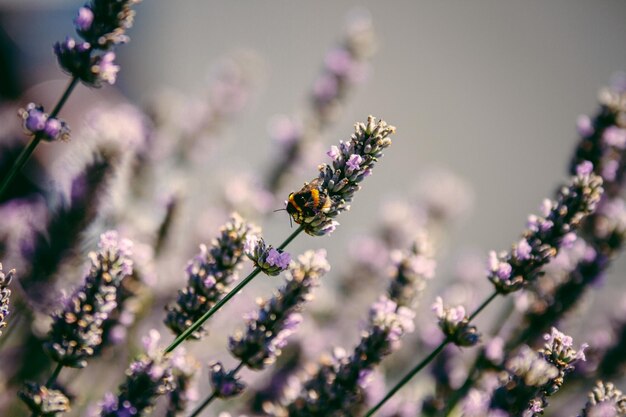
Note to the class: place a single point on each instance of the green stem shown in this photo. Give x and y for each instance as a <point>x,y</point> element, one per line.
<point>184,335</point>
<point>30,148</point>
<point>408,377</point>
<point>213,396</point>
<point>426,360</point>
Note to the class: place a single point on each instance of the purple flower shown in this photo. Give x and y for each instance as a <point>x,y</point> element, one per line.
<point>523,250</point>
<point>584,126</point>
<point>270,260</point>
<point>354,162</point>
<point>84,19</point>
<point>36,120</point>
<point>615,136</point>
<point>279,259</point>
<point>585,168</point>
<point>334,153</point>
<point>105,69</point>
<point>454,324</point>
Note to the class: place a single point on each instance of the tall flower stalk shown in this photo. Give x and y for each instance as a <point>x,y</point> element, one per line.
<point>514,270</point>
<point>77,329</point>
<point>603,142</point>
<point>102,24</point>
<point>316,206</point>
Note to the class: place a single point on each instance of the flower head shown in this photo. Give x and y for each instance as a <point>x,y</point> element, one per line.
<point>321,200</point>
<point>455,324</point>
<point>77,329</point>
<point>225,384</point>
<point>5,294</point>
<point>44,401</point>
<point>547,233</point>
<point>147,378</point>
<point>37,122</point>
<point>270,260</point>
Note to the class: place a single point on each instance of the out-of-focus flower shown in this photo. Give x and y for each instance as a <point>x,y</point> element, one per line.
<point>5,296</point>
<point>43,401</point>
<point>77,328</point>
<point>147,378</point>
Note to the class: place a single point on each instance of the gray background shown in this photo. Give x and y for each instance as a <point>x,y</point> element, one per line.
<point>488,89</point>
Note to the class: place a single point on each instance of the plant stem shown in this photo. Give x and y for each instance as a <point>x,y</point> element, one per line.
<point>184,335</point>
<point>30,148</point>
<point>408,377</point>
<point>426,360</point>
<point>211,397</point>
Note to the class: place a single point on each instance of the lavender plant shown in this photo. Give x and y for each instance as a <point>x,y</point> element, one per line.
<point>160,197</point>
<point>102,24</point>
<point>147,378</point>
<point>269,327</point>
<point>77,329</point>
<point>512,271</point>
<point>319,202</point>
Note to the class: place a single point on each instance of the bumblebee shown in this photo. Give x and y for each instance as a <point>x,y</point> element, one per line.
<point>308,202</point>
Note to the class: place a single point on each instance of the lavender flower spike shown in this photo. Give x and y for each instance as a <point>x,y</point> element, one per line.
<point>147,378</point>
<point>268,328</point>
<point>455,324</point>
<point>77,329</point>
<point>605,400</point>
<point>535,376</point>
<point>5,295</point>
<point>317,204</point>
<point>546,233</point>
<point>335,388</point>
<point>210,274</point>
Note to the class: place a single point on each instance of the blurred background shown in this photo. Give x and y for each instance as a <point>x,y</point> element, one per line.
<point>488,91</point>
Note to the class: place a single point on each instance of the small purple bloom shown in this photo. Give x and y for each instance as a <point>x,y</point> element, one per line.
<point>106,68</point>
<point>84,19</point>
<point>504,270</point>
<point>36,120</point>
<point>276,258</point>
<point>568,240</point>
<point>339,62</point>
<point>584,168</point>
<point>523,250</point>
<point>584,126</point>
<point>334,153</point>
<point>354,162</point>
<point>615,136</point>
